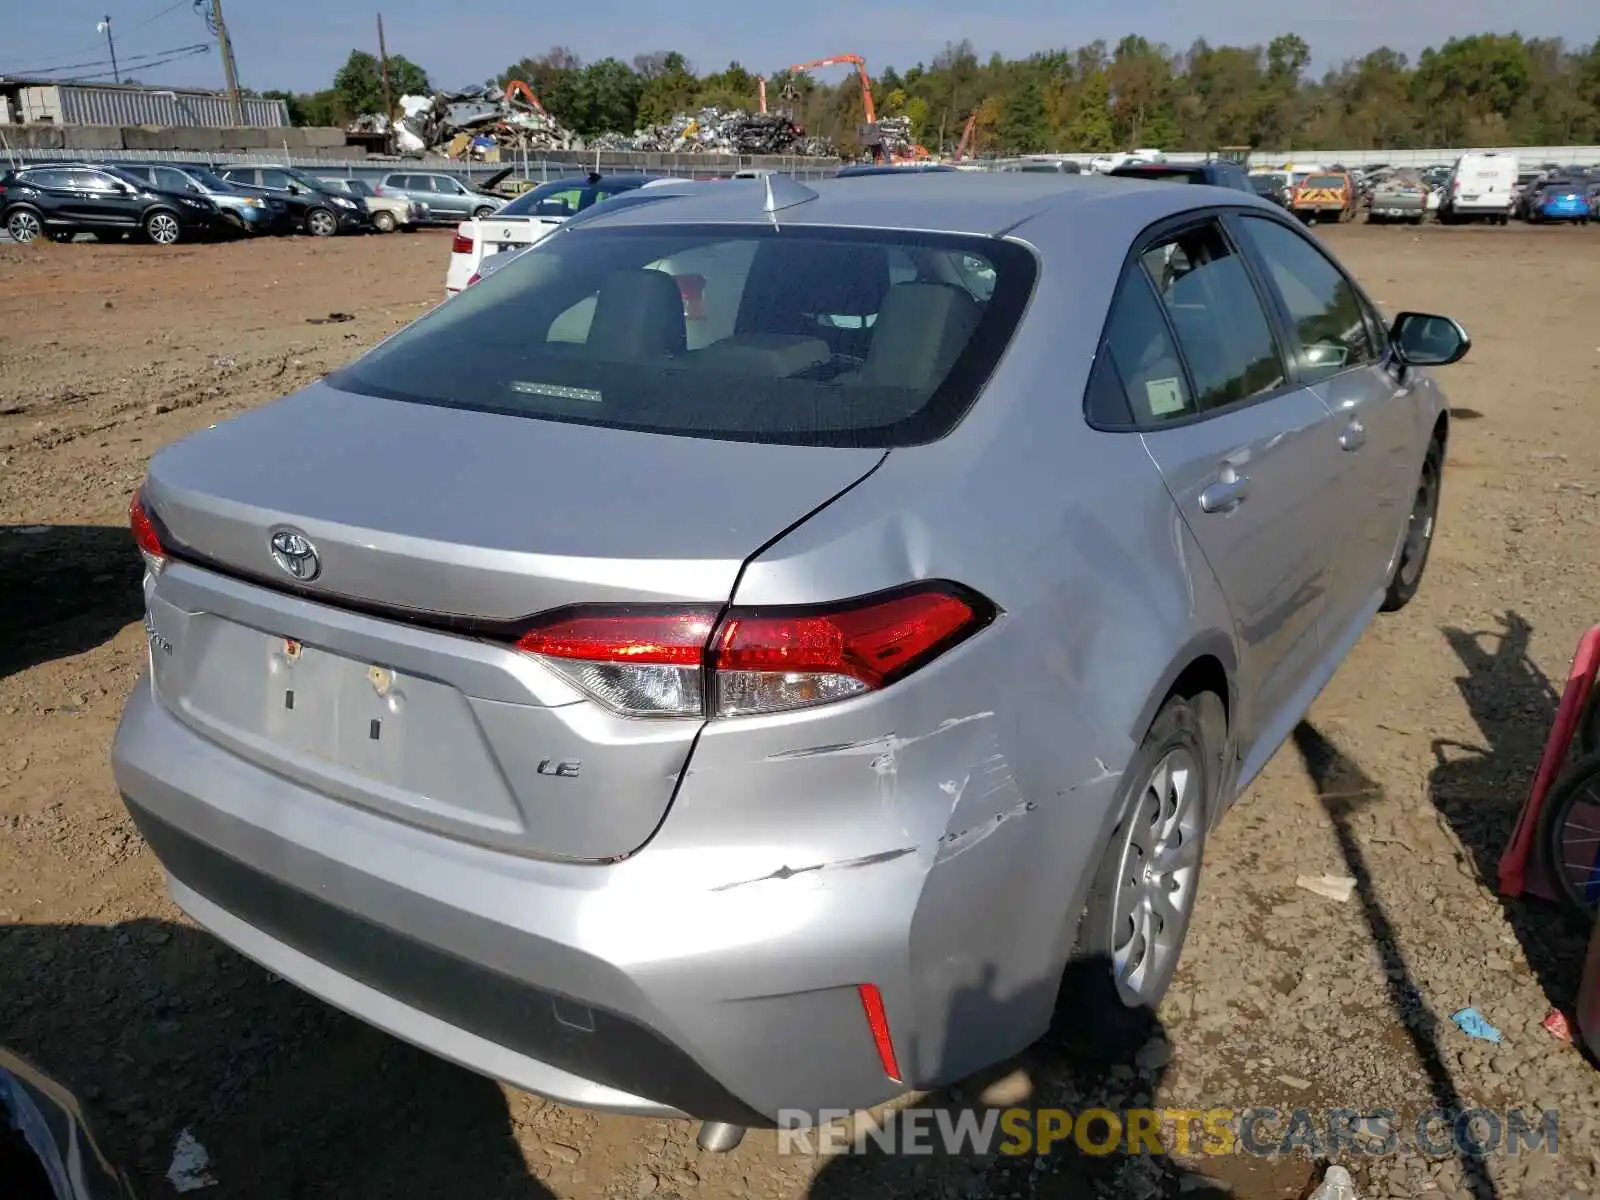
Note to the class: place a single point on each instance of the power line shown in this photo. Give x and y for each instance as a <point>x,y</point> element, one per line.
<point>133,60</point>
<point>160,62</point>
<point>82,49</point>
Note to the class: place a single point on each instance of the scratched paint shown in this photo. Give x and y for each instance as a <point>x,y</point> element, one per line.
<point>952,844</point>
<point>845,864</point>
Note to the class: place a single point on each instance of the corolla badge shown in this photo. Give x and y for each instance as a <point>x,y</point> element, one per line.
<point>293,551</point>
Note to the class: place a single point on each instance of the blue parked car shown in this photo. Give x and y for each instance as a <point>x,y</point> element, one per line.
<point>1560,200</point>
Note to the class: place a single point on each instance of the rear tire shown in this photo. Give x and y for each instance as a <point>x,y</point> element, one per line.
<point>1420,527</point>
<point>480,213</point>
<point>383,221</point>
<point>1142,898</point>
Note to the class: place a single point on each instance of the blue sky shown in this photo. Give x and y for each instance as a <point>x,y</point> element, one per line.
<point>300,43</point>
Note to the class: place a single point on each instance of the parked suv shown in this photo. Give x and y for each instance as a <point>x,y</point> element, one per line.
<point>62,199</point>
<point>310,205</point>
<point>245,212</point>
<point>1213,174</point>
<point>446,197</point>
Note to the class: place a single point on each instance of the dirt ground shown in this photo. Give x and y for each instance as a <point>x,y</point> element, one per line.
<point>1406,776</point>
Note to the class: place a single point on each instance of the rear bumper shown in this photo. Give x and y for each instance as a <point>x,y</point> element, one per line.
<point>638,986</point>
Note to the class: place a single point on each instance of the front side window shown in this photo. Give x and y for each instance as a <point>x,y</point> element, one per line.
<point>799,335</point>
<point>1222,329</point>
<point>1323,304</point>
<point>277,180</point>
<point>94,181</point>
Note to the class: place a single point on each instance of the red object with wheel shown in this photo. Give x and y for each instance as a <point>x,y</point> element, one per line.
<point>1521,868</point>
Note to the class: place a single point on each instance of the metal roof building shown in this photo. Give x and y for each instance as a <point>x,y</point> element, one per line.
<point>34,101</point>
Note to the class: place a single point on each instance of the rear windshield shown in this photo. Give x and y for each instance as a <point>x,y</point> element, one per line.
<point>1324,181</point>
<point>803,336</point>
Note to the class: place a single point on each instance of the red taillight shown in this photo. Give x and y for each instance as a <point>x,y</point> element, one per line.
<point>462,244</point>
<point>640,663</point>
<point>474,279</point>
<point>645,663</point>
<point>145,536</point>
<point>878,1023</point>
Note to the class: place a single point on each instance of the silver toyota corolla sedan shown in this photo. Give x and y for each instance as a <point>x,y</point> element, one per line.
<point>732,659</point>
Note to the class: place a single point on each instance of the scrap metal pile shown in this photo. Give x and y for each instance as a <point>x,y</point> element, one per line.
<point>474,123</point>
<point>479,122</point>
<point>719,131</point>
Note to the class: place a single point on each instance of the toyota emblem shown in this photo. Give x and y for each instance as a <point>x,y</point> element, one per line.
<point>293,551</point>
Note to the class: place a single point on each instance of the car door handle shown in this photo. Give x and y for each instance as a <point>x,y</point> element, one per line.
<point>1354,436</point>
<point>1225,495</point>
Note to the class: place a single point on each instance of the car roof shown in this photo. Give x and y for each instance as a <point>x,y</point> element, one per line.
<point>954,202</point>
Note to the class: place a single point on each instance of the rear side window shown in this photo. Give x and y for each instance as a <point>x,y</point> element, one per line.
<point>1221,325</point>
<point>797,335</point>
<point>1142,350</point>
<point>1323,305</point>
<point>172,181</point>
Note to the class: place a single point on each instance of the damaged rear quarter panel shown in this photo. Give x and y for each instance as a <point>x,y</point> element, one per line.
<point>944,831</point>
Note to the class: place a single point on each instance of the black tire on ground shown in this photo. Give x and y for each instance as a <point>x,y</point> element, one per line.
<point>1580,785</point>
<point>163,228</point>
<point>321,223</point>
<point>481,212</point>
<point>1092,1002</point>
<point>383,221</point>
<point>1413,558</point>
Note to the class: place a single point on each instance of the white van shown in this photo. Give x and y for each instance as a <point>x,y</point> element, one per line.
<point>1482,186</point>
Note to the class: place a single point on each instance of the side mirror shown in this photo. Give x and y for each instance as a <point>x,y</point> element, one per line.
<point>1426,340</point>
<point>295,189</point>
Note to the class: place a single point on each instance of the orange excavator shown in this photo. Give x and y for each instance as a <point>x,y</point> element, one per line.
<point>964,146</point>
<point>870,130</point>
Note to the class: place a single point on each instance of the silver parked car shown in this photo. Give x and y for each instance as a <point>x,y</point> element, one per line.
<point>734,657</point>
<point>442,198</point>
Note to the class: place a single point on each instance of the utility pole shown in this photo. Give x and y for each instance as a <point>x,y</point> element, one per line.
<point>383,60</point>
<point>229,69</point>
<point>105,27</point>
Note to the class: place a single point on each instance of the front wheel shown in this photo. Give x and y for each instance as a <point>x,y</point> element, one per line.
<point>383,221</point>
<point>1143,894</point>
<point>163,229</point>
<point>321,223</point>
<point>1569,835</point>
<point>1413,559</point>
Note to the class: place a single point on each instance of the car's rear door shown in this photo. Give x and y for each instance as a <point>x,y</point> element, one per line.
<point>1339,348</point>
<point>1246,452</point>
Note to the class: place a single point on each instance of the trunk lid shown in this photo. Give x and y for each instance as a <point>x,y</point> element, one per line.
<point>387,679</point>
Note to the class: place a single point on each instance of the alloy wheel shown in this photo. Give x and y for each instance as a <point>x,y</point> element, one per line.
<point>24,227</point>
<point>322,224</point>
<point>163,229</point>
<point>1419,531</point>
<point>1157,878</point>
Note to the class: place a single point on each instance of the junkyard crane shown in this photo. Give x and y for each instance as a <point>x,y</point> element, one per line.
<point>856,60</point>
<point>964,146</point>
<point>870,134</point>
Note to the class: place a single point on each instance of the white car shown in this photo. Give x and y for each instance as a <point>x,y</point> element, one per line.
<point>530,218</point>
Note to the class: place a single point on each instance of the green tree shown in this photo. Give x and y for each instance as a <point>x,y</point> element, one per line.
<point>606,98</point>
<point>670,88</point>
<point>358,85</point>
